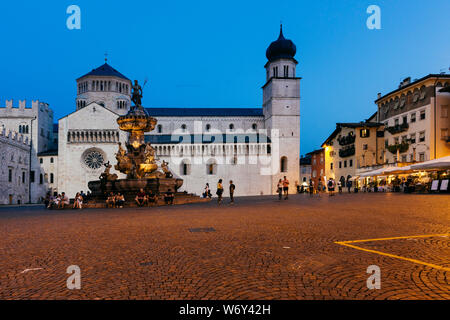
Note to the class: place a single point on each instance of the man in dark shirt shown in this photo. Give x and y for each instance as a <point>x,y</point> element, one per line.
<point>152,198</point>
<point>232,187</point>
<point>168,197</point>
<point>141,198</point>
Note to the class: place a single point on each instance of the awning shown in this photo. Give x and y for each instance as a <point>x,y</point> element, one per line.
<point>435,164</point>
<point>398,170</point>
<point>372,173</point>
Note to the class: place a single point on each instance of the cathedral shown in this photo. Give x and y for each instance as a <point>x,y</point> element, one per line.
<point>253,147</point>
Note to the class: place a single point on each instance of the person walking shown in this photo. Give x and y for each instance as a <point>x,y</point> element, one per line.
<point>219,191</point>
<point>349,186</point>
<point>280,189</point>
<point>339,184</point>
<point>311,187</point>
<point>330,187</point>
<point>286,188</point>
<point>319,186</point>
<point>232,188</point>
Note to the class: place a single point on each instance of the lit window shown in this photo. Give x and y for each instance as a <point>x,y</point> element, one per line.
<point>364,133</point>
<point>211,168</point>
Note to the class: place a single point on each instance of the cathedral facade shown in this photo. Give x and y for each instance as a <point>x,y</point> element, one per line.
<point>253,147</point>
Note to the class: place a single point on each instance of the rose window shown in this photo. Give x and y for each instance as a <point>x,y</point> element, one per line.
<point>94,159</point>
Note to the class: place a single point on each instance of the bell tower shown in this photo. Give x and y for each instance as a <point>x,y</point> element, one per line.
<point>281,107</point>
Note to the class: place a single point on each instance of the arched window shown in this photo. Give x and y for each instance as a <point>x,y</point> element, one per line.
<point>211,167</point>
<point>26,129</point>
<point>231,126</point>
<point>185,168</point>
<point>52,178</point>
<point>283,164</point>
<point>41,179</point>
<point>159,128</point>
<point>183,127</point>
<point>254,126</point>
<point>208,127</point>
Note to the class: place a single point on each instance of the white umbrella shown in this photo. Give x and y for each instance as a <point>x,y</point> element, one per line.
<point>439,163</point>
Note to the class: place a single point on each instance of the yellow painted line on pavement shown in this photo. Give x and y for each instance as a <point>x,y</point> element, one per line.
<point>346,243</point>
<point>394,238</point>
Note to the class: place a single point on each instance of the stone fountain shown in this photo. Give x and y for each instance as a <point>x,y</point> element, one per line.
<point>136,160</point>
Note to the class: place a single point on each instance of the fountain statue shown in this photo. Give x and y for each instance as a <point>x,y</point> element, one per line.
<point>137,159</point>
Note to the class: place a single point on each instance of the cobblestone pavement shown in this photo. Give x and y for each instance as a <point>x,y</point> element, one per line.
<point>261,249</point>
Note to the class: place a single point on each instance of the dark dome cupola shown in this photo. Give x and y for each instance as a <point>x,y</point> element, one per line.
<point>281,48</point>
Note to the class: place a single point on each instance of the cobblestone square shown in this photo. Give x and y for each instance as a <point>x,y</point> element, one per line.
<point>258,248</point>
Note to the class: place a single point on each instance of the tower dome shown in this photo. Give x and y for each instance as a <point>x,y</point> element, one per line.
<point>281,48</point>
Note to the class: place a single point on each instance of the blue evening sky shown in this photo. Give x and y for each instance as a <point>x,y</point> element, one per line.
<point>212,53</point>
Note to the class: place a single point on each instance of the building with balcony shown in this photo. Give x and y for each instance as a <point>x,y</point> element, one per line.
<point>416,119</point>
<point>352,147</point>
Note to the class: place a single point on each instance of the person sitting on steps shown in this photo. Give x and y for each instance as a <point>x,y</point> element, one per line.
<point>168,197</point>
<point>141,198</point>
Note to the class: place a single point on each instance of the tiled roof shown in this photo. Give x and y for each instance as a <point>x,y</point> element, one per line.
<point>206,138</point>
<point>105,70</point>
<point>205,112</point>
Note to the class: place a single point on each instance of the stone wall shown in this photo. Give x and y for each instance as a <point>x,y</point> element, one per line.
<point>14,167</point>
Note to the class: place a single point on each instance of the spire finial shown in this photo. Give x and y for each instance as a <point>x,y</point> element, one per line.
<point>281,30</point>
<point>106,57</point>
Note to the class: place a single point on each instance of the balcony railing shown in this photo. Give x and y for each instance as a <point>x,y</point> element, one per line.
<point>401,147</point>
<point>346,140</point>
<point>347,152</point>
<point>397,128</point>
